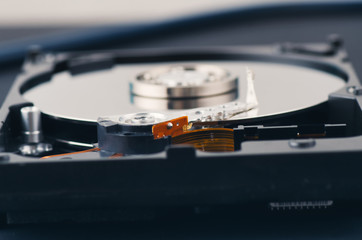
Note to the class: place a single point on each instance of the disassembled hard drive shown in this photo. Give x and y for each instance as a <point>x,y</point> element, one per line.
<point>89,123</point>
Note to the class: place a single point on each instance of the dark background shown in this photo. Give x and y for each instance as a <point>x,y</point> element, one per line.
<point>264,27</point>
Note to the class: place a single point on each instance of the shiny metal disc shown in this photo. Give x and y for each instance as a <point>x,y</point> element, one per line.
<point>279,88</point>
<point>184,81</point>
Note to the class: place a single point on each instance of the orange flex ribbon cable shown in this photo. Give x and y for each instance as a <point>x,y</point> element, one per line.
<point>207,139</point>
<point>67,154</point>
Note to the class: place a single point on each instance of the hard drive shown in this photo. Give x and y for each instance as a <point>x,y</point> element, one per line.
<point>119,133</point>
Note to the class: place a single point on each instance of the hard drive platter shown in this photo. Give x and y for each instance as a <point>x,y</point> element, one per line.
<point>279,88</point>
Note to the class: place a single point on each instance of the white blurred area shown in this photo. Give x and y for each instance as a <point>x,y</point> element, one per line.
<point>99,12</point>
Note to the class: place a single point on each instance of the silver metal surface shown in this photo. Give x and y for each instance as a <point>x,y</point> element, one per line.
<point>133,119</point>
<point>183,81</point>
<point>32,133</point>
<point>31,123</point>
<point>219,112</point>
<point>35,149</point>
<point>280,89</point>
<point>142,118</point>
<point>162,104</point>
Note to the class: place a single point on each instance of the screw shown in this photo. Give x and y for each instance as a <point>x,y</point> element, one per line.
<point>106,122</point>
<point>354,90</point>
<point>335,40</point>
<point>351,89</point>
<point>169,125</point>
<point>34,52</point>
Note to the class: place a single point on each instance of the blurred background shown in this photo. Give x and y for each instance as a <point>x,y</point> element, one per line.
<point>20,19</point>
<point>70,13</point>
